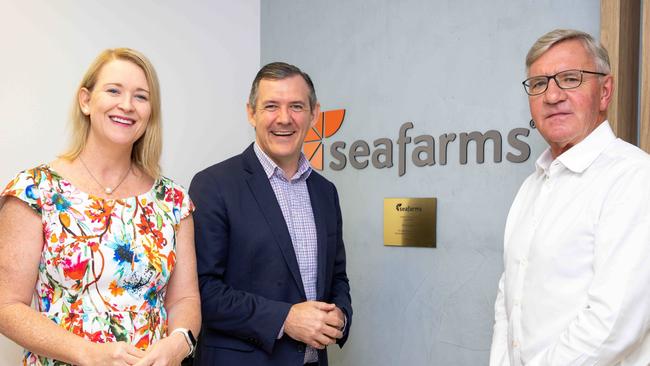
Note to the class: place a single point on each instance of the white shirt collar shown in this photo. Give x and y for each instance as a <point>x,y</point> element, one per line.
<point>579,157</point>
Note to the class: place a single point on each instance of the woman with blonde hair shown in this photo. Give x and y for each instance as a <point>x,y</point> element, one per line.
<point>98,238</point>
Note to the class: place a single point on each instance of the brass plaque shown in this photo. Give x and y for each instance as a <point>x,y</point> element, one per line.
<point>410,222</point>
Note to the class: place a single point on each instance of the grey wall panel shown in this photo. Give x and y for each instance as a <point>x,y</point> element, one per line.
<point>448,67</point>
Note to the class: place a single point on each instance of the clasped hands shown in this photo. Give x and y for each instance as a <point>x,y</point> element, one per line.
<point>169,351</point>
<point>317,324</point>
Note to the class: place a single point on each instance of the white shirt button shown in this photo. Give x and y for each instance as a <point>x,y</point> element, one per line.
<point>515,344</point>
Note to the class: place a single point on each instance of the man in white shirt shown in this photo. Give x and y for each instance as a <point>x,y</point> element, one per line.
<point>576,285</point>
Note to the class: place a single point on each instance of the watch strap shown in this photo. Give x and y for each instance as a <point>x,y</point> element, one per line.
<point>189,338</point>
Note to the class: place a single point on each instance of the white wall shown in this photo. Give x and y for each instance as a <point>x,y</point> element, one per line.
<point>206,54</point>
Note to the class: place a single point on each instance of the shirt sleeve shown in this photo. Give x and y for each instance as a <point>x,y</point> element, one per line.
<point>24,186</point>
<point>499,350</point>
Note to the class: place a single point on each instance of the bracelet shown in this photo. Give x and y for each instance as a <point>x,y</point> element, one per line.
<point>189,338</point>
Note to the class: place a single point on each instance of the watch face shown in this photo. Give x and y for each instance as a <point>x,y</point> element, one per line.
<point>189,333</point>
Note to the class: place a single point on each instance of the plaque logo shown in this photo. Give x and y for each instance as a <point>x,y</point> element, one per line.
<point>399,207</point>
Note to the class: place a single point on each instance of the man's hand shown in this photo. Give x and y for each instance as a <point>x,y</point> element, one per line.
<point>317,324</point>
<point>340,317</point>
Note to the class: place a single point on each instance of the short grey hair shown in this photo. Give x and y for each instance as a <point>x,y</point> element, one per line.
<point>280,71</point>
<point>595,48</point>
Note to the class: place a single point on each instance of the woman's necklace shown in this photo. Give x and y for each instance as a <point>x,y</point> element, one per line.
<point>107,190</point>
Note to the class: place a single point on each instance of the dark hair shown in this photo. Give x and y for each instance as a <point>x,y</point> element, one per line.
<point>279,71</point>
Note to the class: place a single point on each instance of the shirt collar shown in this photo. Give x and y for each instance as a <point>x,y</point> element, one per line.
<point>579,157</point>
<point>271,168</point>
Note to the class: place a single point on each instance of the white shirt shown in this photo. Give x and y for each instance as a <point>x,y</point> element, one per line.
<point>576,285</point>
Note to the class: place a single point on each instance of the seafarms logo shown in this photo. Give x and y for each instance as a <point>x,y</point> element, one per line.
<point>327,125</point>
<point>360,154</point>
<point>401,208</point>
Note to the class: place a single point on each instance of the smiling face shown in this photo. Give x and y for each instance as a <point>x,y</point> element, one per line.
<point>118,105</point>
<point>564,117</point>
<point>282,118</point>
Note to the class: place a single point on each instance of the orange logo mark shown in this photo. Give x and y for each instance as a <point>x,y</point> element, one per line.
<point>327,125</point>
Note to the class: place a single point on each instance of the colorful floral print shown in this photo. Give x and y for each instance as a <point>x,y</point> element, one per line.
<point>105,263</point>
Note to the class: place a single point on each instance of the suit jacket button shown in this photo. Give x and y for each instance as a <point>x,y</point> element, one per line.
<point>301,348</point>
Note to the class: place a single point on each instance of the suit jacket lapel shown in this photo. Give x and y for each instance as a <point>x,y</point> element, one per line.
<point>318,208</point>
<point>261,189</point>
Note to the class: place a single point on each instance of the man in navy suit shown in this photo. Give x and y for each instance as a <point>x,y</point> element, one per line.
<point>269,242</point>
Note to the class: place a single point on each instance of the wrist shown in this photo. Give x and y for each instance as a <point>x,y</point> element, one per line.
<point>85,356</point>
<point>186,340</point>
<point>179,344</point>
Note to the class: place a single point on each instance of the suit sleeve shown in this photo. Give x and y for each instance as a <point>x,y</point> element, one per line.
<point>340,292</point>
<point>234,313</point>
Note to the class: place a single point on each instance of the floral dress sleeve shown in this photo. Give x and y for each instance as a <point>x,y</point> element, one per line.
<point>25,187</point>
<point>176,198</point>
<point>182,201</point>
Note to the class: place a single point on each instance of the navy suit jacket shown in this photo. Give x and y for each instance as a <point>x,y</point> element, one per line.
<point>248,272</point>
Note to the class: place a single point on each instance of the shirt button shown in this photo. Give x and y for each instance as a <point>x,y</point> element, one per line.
<point>523,262</point>
<point>517,302</point>
<point>515,344</point>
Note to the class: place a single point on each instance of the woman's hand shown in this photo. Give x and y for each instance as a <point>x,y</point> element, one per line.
<point>113,354</point>
<point>169,351</point>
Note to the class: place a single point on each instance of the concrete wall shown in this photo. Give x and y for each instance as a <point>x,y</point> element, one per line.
<point>206,54</point>
<point>448,66</point>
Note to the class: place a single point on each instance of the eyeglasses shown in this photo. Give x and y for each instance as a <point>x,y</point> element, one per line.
<point>568,79</point>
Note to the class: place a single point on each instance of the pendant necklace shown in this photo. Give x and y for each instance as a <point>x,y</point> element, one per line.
<point>107,190</point>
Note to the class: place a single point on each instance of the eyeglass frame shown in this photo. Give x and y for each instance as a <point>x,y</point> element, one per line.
<point>548,80</point>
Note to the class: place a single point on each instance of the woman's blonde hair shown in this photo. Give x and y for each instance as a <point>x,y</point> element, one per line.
<point>148,148</point>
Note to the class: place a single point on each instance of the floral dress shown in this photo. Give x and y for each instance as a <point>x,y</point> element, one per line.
<point>105,263</point>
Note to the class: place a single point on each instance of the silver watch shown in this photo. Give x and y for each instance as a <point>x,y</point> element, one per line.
<point>189,338</point>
